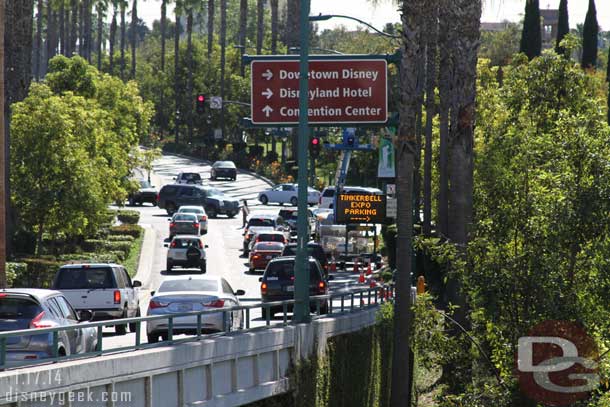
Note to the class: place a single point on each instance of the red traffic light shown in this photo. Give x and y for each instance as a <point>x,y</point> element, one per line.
<point>201,98</point>
<point>315,141</point>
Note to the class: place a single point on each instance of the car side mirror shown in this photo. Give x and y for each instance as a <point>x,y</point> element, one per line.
<point>136,283</point>
<point>165,245</point>
<point>240,292</point>
<point>170,219</point>
<point>260,279</point>
<point>205,246</point>
<point>152,293</point>
<point>85,315</point>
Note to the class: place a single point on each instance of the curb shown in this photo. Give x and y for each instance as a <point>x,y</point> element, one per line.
<point>146,255</point>
<point>253,174</point>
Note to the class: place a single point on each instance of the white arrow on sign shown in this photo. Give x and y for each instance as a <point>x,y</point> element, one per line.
<point>268,74</point>
<point>268,93</point>
<point>267,110</point>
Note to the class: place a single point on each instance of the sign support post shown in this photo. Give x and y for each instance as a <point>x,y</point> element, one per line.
<point>301,281</point>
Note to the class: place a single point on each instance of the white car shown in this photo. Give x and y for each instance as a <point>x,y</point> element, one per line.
<point>189,293</point>
<point>186,251</point>
<point>188,178</point>
<point>200,212</point>
<point>287,193</point>
<point>327,198</point>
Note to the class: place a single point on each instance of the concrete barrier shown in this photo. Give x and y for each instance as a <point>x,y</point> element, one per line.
<point>228,370</point>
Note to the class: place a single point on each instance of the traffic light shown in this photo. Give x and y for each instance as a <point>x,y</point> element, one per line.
<point>200,103</point>
<point>350,140</point>
<point>314,146</point>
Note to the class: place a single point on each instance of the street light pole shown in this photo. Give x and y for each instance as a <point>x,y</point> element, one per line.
<point>301,281</point>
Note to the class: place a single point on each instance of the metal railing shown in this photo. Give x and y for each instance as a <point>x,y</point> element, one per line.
<point>349,300</point>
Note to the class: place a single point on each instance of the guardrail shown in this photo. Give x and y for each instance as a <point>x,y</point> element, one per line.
<point>357,299</point>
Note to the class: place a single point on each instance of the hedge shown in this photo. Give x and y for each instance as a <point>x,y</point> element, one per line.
<point>13,270</point>
<point>92,245</point>
<point>131,230</point>
<point>128,217</point>
<point>118,247</point>
<point>39,273</point>
<point>120,238</point>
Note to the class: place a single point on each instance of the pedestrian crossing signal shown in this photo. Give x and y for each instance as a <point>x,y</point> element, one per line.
<point>200,103</point>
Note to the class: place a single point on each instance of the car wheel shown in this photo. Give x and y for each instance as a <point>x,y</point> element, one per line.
<point>212,178</point>
<point>132,202</point>
<point>153,338</point>
<point>264,200</point>
<point>211,211</point>
<point>120,329</point>
<point>164,337</point>
<point>168,266</point>
<point>231,214</point>
<point>234,178</point>
<point>203,266</point>
<point>170,207</point>
<point>132,325</point>
<point>293,201</point>
<point>251,269</point>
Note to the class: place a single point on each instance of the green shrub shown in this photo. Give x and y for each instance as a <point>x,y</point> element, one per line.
<point>389,239</point>
<point>131,230</point>
<point>128,216</point>
<point>15,271</point>
<point>92,245</point>
<point>115,256</point>
<point>117,246</point>
<point>101,257</point>
<point>120,238</point>
<point>39,273</point>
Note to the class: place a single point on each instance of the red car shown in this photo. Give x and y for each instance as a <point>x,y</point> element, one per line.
<point>262,253</point>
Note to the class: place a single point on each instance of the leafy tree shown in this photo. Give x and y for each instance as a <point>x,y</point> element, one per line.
<point>531,37</point>
<point>500,47</point>
<point>589,38</point>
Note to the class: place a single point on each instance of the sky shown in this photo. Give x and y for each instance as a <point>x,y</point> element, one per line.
<point>494,10</point>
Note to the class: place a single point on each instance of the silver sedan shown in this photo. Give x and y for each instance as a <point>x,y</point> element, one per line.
<point>189,293</point>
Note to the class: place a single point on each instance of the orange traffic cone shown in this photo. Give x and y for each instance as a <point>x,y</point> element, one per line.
<point>361,278</point>
<point>373,284</point>
<point>368,270</point>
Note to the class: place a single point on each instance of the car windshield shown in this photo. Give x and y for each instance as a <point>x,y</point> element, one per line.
<point>185,217</point>
<point>261,222</point>
<point>84,278</point>
<point>224,164</point>
<point>188,285</point>
<point>214,192</point>
<point>268,246</point>
<point>284,270</point>
<point>145,184</point>
<point>18,308</point>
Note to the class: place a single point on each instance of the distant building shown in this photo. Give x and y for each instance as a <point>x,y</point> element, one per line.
<point>550,22</point>
<point>495,27</point>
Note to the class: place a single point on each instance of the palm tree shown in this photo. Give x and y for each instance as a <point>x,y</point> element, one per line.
<point>293,24</point>
<point>177,96</point>
<point>260,25</point>
<point>3,148</point>
<point>112,39</point>
<point>223,46</point>
<point>134,28</point>
<point>52,35</point>
<point>210,27</point>
<point>73,26</point>
<point>189,60</point>
<point>123,6</point>
<point>243,25</point>
<point>163,30</point>
<point>62,26</point>
<point>101,7</point>
<point>38,43</point>
<point>274,24</point>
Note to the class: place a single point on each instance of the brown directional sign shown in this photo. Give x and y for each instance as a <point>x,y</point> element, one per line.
<point>340,91</point>
<point>360,208</point>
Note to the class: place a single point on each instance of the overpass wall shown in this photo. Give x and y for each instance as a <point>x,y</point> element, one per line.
<point>228,370</point>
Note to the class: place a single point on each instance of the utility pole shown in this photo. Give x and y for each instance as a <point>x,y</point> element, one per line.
<point>3,155</point>
<point>301,283</point>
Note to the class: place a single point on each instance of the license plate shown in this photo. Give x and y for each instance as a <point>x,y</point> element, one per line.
<point>289,288</point>
<point>185,307</point>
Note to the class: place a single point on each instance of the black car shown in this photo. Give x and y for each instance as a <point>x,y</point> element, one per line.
<point>172,197</point>
<point>277,284</point>
<point>146,193</point>
<point>291,217</point>
<point>313,249</point>
<point>223,169</point>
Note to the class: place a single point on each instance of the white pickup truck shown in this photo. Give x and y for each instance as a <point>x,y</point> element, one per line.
<point>104,289</point>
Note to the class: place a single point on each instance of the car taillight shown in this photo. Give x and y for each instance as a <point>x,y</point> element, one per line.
<point>171,225</point>
<point>200,244</point>
<point>157,304</point>
<point>117,297</point>
<point>215,304</point>
<point>158,197</point>
<point>321,285</point>
<point>196,225</point>
<point>35,322</point>
<point>264,288</point>
<point>256,257</point>
<point>173,244</point>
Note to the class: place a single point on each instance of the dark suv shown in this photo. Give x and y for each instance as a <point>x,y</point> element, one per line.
<point>277,284</point>
<point>315,250</point>
<point>172,197</point>
<point>146,193</point>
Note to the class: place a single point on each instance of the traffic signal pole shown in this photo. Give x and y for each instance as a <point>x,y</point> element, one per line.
<point>301,281</point>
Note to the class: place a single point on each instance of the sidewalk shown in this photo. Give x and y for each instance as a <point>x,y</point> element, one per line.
<point>146,255</point>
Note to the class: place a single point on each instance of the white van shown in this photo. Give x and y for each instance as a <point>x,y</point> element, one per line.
<point>327,198</point>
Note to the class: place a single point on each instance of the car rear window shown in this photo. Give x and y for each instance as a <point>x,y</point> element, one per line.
<point>84,278</point>
<point>284,270</point>
<point>288,215</point>
<point>262,246</point>
<point>256,222</point>
<point>188,285</point>
<point>18,308</point>
<point>185,216</point>
<point>271,237</point>
<point>328,193</point>
<point>191,176</point>
<point>184,243</point>
<point>191,210</point>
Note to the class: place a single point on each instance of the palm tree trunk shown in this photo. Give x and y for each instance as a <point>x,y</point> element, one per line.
<point>81,30</point>
<point>62,27</point>
<point>406,143</point>
<point>294,23</point>
<point>123,35</point>
<point>88,29</point>
<point>210,27</point>
<point>134,37</point>
<point>100,31</point>
<point>38,44</point>
<point>112,38</point>
<point>431,37</point>
<point>52,37</point>
<point>243,25</point>
<point>223,46</point>
<point>462,143</point>
<point>189,85</point>
<point>177,94</point>
<point>260,25</point>
<point>3,153</point>
<point>274,24</point>
<point>73,26</point>
<point>160,111</point>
